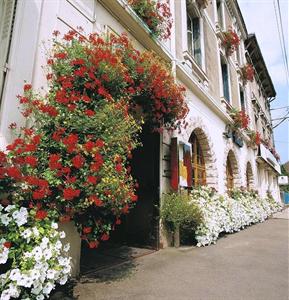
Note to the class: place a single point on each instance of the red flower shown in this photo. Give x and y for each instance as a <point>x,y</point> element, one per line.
<point>92,179</point>
<point>89,112</point>
<point>13,172</point>
<point>93,244</point>
<point>96,200</point>
<point>7,244</point>
<point>87,230</point>
<point>99,143</point>
<point>104,237</point>
<point>118,221</point>
<point>118,168</point>
<point>31,160</point>
<point>89,146</point>
<point>54,163</point>
<point>39,194</point>
<point>27,87</point>
<point>60,55</point>
<point>70,193</point>
<point>41,214</point>
<point>133,197</point>
<point>78,161</point>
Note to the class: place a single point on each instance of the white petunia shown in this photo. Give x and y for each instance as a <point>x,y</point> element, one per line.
<point>20,217</point>
<point>5,219</point>
<point>66,248</point>
<point>54,225</point>
<point>62,234</point>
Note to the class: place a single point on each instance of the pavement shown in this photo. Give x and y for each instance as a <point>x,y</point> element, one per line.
<point>249,265</point>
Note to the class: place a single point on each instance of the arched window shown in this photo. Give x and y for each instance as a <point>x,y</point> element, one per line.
<point>230,176</point>
<point>198,162</point>
<point>249,177</point>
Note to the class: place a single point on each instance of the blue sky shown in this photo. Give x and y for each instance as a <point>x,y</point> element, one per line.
<point>260,18</point>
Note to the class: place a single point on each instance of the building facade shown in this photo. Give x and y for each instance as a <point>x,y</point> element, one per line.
<point>199,59</point>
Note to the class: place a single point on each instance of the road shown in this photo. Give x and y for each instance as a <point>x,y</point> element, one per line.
<point>248,265</point>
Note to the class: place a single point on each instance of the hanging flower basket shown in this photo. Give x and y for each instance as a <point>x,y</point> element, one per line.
<point>156,15</point>
<point>231,41</point>
<point>247,73</point>
<point>241,119</point>
<point>255,138</point>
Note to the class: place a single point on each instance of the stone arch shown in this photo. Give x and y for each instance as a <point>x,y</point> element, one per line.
<point>197,127</point>
<point>231,155</point>
<point>249,176</point>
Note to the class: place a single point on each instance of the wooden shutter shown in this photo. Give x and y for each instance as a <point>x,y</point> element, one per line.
<point>174,164</point>
<point>6,23</point>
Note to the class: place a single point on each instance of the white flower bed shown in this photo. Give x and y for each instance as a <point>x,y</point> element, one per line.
<point>229,214</point>
<point>32,254</point>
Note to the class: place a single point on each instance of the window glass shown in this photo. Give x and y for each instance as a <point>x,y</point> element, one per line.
<point>198,162</point>
<point>225,77</point>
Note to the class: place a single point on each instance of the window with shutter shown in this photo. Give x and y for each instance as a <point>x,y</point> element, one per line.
<point>7,10</point>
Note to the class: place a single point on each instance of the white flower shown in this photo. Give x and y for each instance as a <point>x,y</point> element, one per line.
<point>54,225</point>
<point>37,253</point>
<point>35,231</point>
<point>37,289</point>
<point>15,275</point>
<point>20,216</point>
<point>44,242</point>
<point>58,245</point>
<point>27,234</point>
<point>5,219</point>
<point>63,280</point>
<point>40,297</point>
<point>51,274</point>
<point>62,234</point>
<point>9,207</point>
<point>4,252</point>
<point>47,254</point>
<point>66,248</point>
<point>48,288</point>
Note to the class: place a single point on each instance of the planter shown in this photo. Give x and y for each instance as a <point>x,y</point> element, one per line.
<point>72,237</point>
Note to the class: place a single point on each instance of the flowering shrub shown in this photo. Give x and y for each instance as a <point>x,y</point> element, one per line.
<point>247,73</point>
<point>155,14</point>
<point>240,118</point>
<point>32,257</point>
<point>231,41</point>
<point>74,159</point>
<point>229,213</point>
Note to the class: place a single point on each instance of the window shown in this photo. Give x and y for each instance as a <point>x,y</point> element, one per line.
<point>198,162</point>
<point>7,13</point>
<point>220,13</point>
<point>194,36</point>
<point>225,79</point>
<point>229,175</point>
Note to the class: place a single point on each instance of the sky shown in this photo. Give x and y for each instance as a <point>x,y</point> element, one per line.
<point>260,18</point>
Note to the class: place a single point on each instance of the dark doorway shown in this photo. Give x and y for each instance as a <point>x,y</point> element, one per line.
<point>140,228</point>
<point>138,234</point>
<point>142,224</point>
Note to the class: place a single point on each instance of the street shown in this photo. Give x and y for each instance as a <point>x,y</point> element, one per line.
<point>251,264</point>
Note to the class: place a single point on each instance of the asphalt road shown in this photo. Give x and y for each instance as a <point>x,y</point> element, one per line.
<point>248,265</point>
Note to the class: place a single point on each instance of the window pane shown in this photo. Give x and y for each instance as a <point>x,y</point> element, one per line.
<point>225,81</point>
<point>197,40</point>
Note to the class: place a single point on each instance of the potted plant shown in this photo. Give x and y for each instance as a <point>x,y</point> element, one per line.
<point>255,138</point>
<point>240,118</point>
<point>156,15</point>
<point>231,41</point>
<point>247,73</point>
<point>177,211</point>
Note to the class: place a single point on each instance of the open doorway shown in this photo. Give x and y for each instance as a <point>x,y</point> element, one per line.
<point>138,234</point>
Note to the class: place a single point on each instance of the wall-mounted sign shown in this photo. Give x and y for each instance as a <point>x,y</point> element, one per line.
<point>283,180</point>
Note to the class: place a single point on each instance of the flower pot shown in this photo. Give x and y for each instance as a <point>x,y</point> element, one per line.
<point>72,237</point>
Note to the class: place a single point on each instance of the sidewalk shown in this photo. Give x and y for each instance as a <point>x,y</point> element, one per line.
<point>249,265</point>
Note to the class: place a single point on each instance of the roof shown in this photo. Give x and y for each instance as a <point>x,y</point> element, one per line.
<point>256,56</point>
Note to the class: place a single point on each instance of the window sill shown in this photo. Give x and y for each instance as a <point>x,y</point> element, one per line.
<point>196,69</point>
<point>227,106</point>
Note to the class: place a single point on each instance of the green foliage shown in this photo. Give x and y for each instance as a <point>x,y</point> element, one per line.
<point>176,210</point>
